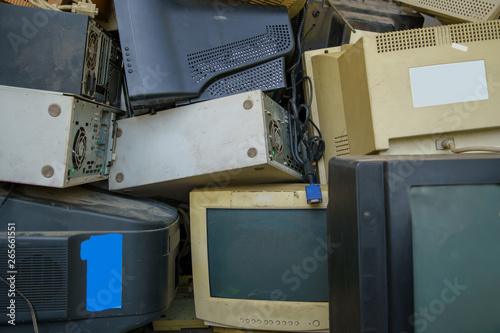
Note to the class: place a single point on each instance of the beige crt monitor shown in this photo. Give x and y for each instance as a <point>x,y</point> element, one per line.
<point>458,10</point>
<point>259,257</point>
<point>404,92</point>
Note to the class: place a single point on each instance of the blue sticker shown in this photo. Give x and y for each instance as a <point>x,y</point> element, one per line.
<point>104,271</point>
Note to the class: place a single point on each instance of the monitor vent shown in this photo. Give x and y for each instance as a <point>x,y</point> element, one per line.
<point>406,40</point>
<point>206,63</point>
<point>473,9</point>
<point>269,76</point>
<point>41,277</point>
<point>474,32</point>
<point>342,145</point>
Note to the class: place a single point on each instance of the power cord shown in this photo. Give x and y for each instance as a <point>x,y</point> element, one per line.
<point>32,310</point>
<point>450,144</point>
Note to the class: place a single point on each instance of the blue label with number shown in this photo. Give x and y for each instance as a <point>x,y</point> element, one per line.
<point>104,271</point>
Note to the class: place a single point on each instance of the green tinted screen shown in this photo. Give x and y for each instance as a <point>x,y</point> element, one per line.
<point>456,258</point>
<point>268,254</point>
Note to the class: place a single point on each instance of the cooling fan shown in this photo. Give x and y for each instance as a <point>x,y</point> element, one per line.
<point>79,148</point>
<point>92,50</point>
<point>276,137</point>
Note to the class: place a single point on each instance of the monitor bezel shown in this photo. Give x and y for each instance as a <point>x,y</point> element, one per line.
<point>217,311</point>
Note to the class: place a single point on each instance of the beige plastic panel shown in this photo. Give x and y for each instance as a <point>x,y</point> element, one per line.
<point>376,89</point>
<point>458,10</point>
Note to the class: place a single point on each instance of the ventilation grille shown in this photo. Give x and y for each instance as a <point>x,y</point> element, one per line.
<point>92,50</point>
<point>206,63</point>
<point>269,76</point>
<point>405,40</point>
<point>276,138</point>
<point>342,146</point>
<point>290,162</point>
<point>474,32</point>
<point>41,277</point>
<point>79,148</point>
<point>471,9</point>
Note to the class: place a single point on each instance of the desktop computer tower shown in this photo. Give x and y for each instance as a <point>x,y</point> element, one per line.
<point>54,139</point>
<point>59,51</point>
<point>238,139</point>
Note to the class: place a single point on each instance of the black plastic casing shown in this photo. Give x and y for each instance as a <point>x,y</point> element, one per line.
<point>50,226</point>
<point>175,49</point>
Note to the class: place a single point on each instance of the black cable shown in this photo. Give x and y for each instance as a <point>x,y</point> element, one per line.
<point>305,150</point>
<point>32,310</point>
<point>12,185</point>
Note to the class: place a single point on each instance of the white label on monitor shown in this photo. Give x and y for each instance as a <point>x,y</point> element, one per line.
<point>449,83</point>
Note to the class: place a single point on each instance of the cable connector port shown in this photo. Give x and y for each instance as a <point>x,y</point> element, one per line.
<point>86,8</point>
<point>313,194</point>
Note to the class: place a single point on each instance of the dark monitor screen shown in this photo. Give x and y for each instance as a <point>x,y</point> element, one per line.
<point>456,258</point>
<point>268,254</point>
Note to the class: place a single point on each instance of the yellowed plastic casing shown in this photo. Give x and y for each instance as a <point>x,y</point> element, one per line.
<point>249,314</point>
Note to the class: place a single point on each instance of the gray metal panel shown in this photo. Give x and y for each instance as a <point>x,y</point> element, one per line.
<point>213,143</point>
<point>39,132</point>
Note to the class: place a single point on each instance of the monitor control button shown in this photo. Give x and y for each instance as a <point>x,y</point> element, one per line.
<point>259,321</point>
<point>270,322</point>
<point>242,320</point>
<point>296,323</point>
<point>316,323</point>
<point>253,321</point>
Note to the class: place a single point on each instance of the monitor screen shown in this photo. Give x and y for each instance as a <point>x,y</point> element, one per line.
<point>456,266</point>
<point>274,254</point>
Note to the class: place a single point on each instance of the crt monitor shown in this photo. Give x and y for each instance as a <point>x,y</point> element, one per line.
<point>406,92</point>
<point>260,258</point>
<point>418,243</point>
<point>85,260</point>
<point>178,51</point>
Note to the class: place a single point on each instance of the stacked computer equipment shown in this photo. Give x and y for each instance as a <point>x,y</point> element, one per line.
<point>194,138</point>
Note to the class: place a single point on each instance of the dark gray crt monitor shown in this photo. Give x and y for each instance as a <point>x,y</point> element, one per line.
<point>419,249</point>
<point>87,261</point>
<point>178,51</point>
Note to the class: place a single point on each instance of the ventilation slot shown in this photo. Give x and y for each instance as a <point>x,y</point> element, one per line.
<point>406,40</point>
<point>341,146</point>
<point>474,32</point>
<point>206,63</point>
<point>473,9</point>
<point>41,277</point>
<point>268,76</point>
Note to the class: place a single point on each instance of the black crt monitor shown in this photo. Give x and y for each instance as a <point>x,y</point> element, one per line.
<point>87,261</point>
<point>419,249</point>
<point>178,51</point>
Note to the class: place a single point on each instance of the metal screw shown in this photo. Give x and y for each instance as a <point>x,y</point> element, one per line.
<point>119,177</point>
<point>248,104</point>
<point>252,152</point>
<point>315,13</point>
<point>47,171</point>
<point>54,110</point>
